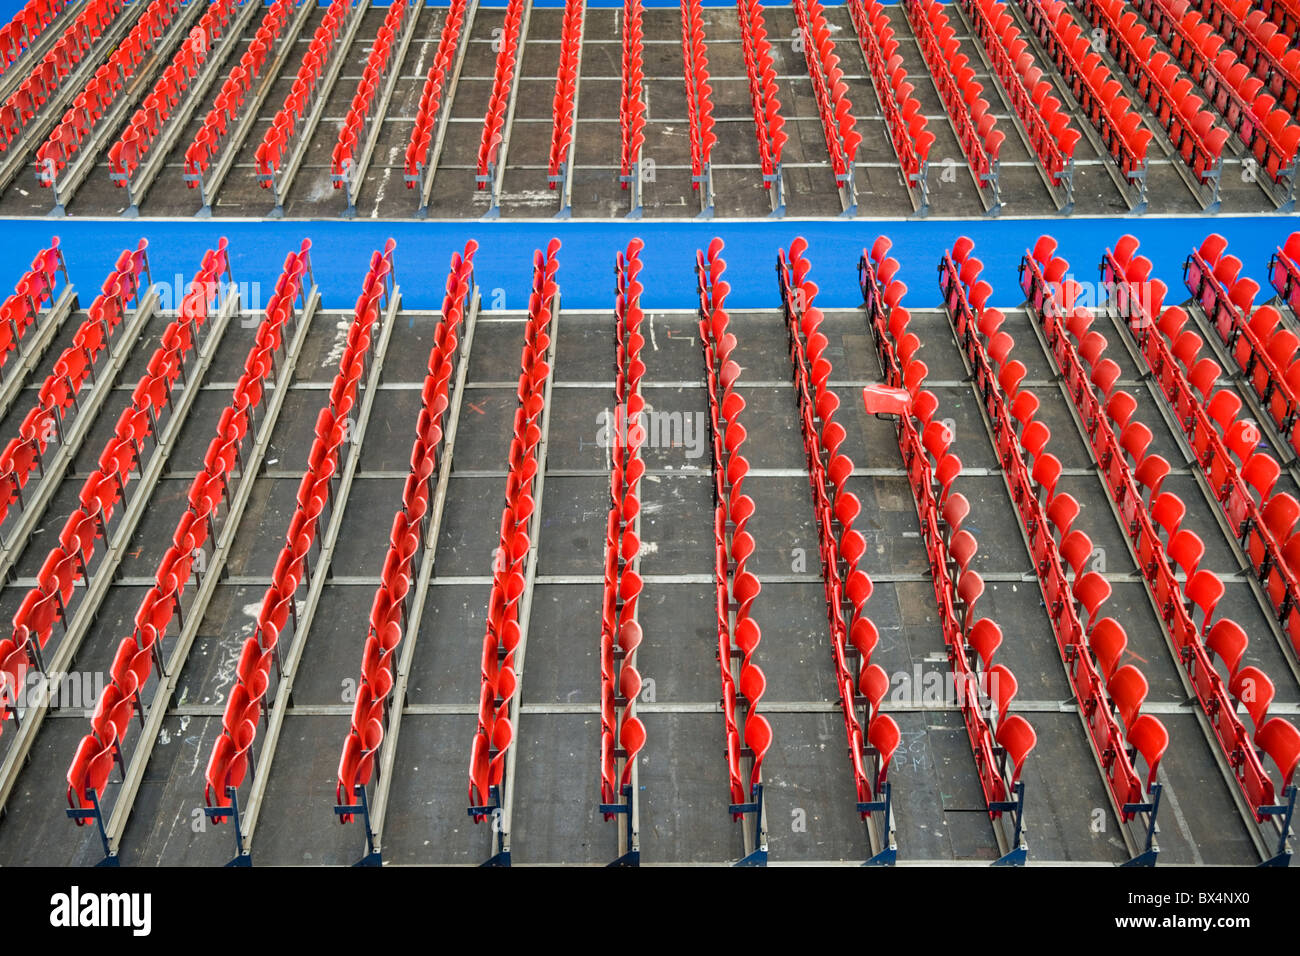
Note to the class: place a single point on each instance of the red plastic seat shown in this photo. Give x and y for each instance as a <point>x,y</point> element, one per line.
<point>1062,512</point>
<point>1076,549</point>
<point>1035,439</point>
<point>1135,439</point>
<point>226,768</point>
<point>1017,738</point>
<point>969,590</point>
<point>758,738</point>
<point>632,736</point>
<point>1120,408</point>
<point>1227,639</point>
<point>1186,550</point>
<point>1204,590</point>
<point>883,734</point>
<point>954,511</point>
<point>1128,688</point>
<point>985,637</point>
<point>1091,591</point>
<point>1280,740</point>
<point>1150,738</point>
<point>88,775</point>
<point>1108,642</point>
<point>1254,690</point>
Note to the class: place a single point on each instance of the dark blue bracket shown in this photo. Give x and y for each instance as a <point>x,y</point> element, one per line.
<point>757,857</point>
<point>754,806</point>
<point>1285,811</point>
<point>623,813</point>
<point>611,808</point>
<point>1018,853</point>
<point>1148,856</point>
<point>889,855</point>
<point>373,857</point>
<point>501,856</point>
<point>96,813</point>
<point>242,856</point>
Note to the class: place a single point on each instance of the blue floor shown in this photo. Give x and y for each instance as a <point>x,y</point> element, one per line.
<point>341,252</point>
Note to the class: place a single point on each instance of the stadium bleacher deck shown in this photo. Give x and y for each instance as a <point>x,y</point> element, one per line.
<point>649,432</point>
<point>971,132</point>
<point>232,678</point>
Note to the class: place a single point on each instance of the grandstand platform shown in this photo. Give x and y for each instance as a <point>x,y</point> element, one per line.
<point>929,800</point>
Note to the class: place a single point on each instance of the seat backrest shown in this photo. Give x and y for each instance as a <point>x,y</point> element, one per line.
<point>1149,736</point>
<point>1204,590</point>
<point>1091,590</point>
<point>1108,642</point>
<point>1128,689</point>
<point>985,637</point>
<point>1280,740</point>
<point>1253,690</point>
<point>1017,738</point>
<point>884,735</point>
<point>1227,639</point>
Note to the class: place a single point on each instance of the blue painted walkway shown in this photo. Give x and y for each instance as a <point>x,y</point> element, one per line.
<point>341,251</point>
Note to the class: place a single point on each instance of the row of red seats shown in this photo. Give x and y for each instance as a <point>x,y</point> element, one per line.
<point>367,88</point>
<point>32,293</point>
<point>631,103</point>
<point>933,468</point>
<point>764,92</point>
<point>1286,15</point>
<point>1270,54</point>
<point>1092,84</point>
<point>1253,114</point>
<point>298,103</point>
<point>829,88</point>
<point>122,457</point>
<point>230,98</point>
<point>699,94</point>
<point>1284,272</point>
<point>47,76</point>
<point>495,732</point>
<point>417,150</point>
<point>138,655</point>
<point>494,120</point>
<point>1052,136</point>
<point>388,612</point>
<point>1179,111</point>
<point>133,145</point>
<point>1263,347</point>
<point>962,94</point>
<point>1241,475</point>
<point>1244,487</point>
<point>874,736</point>
<point>1154,524</point>
<point>231,751</point>
<point>908,127</point>
<point>102,90</point>
<point>1110,696</point>
<point>736,588</point>
<point>622,734</point>
<point>25,28</point>
<point>57,396</point>
<point>566,91</point>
